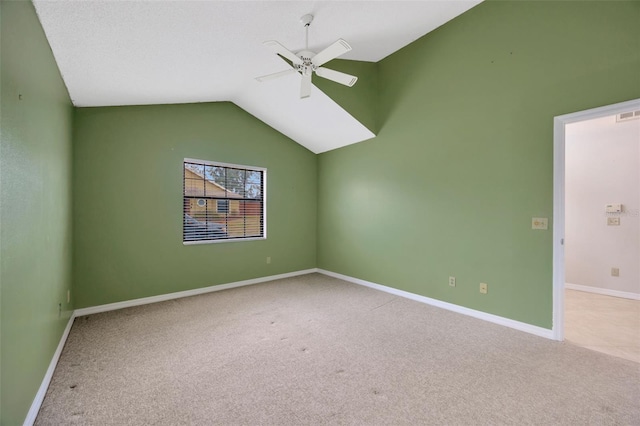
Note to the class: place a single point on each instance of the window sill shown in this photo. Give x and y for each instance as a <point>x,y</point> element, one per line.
<point>227,240</point>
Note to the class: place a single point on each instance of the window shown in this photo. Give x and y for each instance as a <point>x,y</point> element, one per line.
<point>223,206</point>
<point>222,202</point>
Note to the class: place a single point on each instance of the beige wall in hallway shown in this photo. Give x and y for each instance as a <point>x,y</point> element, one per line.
<point>602,167</point>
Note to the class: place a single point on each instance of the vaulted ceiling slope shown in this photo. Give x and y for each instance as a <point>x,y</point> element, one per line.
<point>162,52</point>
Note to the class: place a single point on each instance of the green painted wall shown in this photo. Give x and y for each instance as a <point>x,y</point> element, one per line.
<point>128,200</point>
<point>464,153</point>
<point>462,161</point>
<point>35,208</point>
<point>361,100</point>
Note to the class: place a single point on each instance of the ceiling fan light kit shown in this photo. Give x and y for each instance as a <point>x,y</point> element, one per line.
<point>306,62</point>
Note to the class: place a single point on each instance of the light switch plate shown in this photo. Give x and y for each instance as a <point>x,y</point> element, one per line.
<point>539,223</point>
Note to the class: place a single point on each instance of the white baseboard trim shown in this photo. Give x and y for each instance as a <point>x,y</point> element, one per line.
<point>39,398</point>
<point>521,326</point>
<point>604,291</point>
<point>42,391</point>
<point>186,293</point>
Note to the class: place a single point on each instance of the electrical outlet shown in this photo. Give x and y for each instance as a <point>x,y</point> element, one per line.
<point>452,281</point>
<point>268,260</point>
<point>613,221</point>
<point>484,288</point>
<point>615,272</point>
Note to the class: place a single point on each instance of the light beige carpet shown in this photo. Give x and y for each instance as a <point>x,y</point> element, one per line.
<point>316,350</point>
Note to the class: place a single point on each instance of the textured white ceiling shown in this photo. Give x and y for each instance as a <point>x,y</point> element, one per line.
<point>183,51</point>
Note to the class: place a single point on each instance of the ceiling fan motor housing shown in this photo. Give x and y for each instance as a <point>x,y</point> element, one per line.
<point>306,66</point>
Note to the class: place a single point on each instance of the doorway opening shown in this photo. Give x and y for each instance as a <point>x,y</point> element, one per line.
<point>594,231</point>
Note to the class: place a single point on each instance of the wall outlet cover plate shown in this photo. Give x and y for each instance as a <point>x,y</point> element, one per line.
<point>613,221</point>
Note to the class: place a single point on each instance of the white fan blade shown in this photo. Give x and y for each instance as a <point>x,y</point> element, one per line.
<point>305,88</point>
<point>337,76</point>
<point>338,48</point>
<point>282,51</point>
<point>275,75</point>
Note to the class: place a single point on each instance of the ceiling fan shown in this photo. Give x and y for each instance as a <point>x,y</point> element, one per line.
<point>306,62</point>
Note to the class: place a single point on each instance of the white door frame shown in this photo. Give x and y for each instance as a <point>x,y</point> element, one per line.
<point>559,124</point>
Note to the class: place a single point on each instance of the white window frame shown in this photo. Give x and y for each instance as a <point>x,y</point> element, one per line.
<point>263,170</point>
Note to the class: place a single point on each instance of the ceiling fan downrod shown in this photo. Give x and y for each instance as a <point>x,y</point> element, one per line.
<point>306,21</point>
